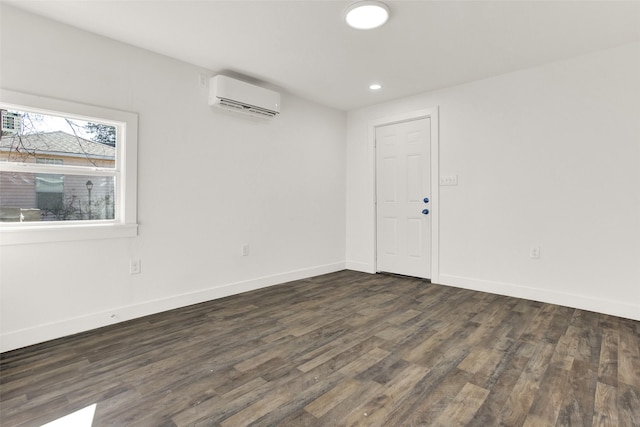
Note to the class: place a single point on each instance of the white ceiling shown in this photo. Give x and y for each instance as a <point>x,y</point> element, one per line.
<point>305,48</point>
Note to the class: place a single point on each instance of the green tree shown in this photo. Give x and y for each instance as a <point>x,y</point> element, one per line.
<point>104,134</point>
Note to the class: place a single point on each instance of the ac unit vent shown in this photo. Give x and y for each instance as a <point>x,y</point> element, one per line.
<point>238,106</point>
<point>11,122</point>
<point>236,95</point>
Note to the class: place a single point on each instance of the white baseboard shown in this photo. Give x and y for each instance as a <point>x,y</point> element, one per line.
<point>614,308</point>
<point>45,332</point>
<point>360,266</point>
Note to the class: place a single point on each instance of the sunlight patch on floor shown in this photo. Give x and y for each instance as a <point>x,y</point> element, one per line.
<point>80,418</point>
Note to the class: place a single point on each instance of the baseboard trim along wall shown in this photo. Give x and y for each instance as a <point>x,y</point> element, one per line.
<point>360,266</point>
<point>41,333</point>
<point>37,334</point>
<point>614,308</point>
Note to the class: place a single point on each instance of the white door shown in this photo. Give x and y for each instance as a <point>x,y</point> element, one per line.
<point>403,208</point>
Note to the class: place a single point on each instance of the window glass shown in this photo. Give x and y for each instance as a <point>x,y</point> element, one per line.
<point>47,139</point>
<point>57,150</point>
<point>67,170</point>
<point>29,197</point>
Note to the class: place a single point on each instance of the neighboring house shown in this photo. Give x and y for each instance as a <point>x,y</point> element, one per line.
<point>40,196</point>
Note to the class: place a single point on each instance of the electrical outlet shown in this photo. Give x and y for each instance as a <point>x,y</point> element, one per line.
<point>534,252</point>
<point>135,266</point>
<point>448,179</point>
<point>245,250</point>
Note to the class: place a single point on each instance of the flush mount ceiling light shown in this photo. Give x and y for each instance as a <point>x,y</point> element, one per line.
<point>375,86</point>
<point>366,15</point>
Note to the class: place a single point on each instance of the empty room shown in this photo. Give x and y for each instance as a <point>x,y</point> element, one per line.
<point>320,213</point>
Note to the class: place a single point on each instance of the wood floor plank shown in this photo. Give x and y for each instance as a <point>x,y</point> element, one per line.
<point>578,399</point>
<point>608,362</point>
<point>351,412</point>
<point>605,413</point>
<point>364,362</point>
<point>257,410</point>
<point>549,398</point>
<point>344,348</point>
<point>304,389</point>
<point>524,392</point>
<point>378,408</point>
<point>324,403</point>
<point>499,391</point>
<point>435,400</point>
<point>463,407</point>
<point>629,356</point>
<point>628,399</point>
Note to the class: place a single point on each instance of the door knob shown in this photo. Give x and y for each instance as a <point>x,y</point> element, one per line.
<point>425,211</point>
<point>426,200</point>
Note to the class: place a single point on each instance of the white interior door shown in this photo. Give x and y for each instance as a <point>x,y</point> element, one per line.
<point>403,187</point>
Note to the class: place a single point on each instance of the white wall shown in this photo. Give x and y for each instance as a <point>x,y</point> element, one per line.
<point>208,182</point>
<point>547,157</point>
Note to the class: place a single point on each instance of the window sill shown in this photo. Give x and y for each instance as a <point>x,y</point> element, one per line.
<point>26,235</point>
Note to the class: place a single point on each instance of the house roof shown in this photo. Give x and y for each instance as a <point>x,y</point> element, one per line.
<point>57,143</point>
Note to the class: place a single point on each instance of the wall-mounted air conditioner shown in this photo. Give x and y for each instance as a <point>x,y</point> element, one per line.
<point>11,122</point>
<point>236,95</point>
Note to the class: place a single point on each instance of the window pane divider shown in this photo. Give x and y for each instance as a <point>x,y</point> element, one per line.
<point>55,169</point>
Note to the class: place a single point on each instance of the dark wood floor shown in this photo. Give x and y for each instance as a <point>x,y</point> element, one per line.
<point>341,349</point>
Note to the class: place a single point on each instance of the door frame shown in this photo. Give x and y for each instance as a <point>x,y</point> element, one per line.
<point>434,198</point>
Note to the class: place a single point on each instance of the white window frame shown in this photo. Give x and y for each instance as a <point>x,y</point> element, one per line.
<point>125,222</point>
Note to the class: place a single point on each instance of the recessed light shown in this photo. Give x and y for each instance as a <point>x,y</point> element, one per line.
<point>375,86</point>
<point>366,15</point>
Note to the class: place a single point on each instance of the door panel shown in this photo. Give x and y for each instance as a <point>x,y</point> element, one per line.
<point>388,236</point>
<point>415,192</point>
<point>388,189</point>
<point>402,182</point>
<point>414,238</point>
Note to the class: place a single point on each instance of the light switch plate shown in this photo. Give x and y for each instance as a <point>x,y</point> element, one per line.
<point>448,179</point>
